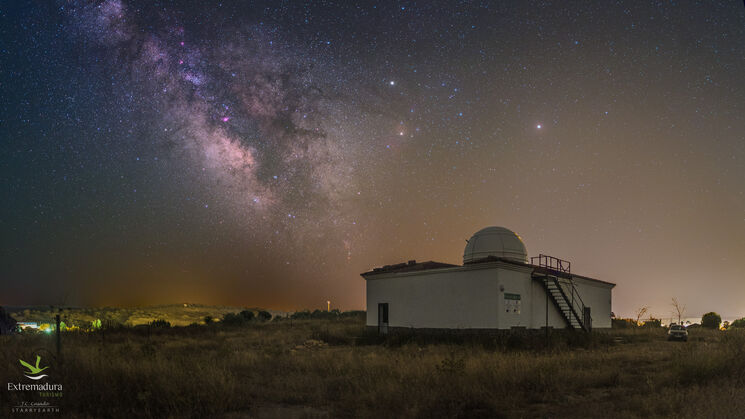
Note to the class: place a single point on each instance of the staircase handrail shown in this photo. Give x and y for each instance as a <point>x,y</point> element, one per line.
<point>578,305</point>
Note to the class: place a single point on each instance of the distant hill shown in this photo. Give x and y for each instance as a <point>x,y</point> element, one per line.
<point>176,314</point>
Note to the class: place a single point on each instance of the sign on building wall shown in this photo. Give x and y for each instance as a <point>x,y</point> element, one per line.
<point>512,303</point>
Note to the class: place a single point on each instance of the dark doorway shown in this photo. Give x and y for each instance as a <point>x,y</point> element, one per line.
<point>383,318</point>
<point>587,318</point>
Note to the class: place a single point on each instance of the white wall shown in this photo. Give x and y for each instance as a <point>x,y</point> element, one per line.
<point>446,298</point>
<point>555,318</point>
<point>597,296</point>
<point>473,297</point>
<point>532,311</point>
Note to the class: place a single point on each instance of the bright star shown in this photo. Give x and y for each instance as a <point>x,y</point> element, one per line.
<point>539,126</point>
<point>392,83</point>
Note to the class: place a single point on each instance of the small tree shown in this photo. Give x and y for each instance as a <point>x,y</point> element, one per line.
<point>679,309</point>
<point>264,316</point>
<point>711,320</point>
<point>248,315</point>
<point>640,312</point>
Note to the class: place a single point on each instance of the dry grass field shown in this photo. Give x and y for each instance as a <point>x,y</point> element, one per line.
<point>332,368</point>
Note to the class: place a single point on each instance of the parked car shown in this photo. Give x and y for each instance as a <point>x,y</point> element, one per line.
<point>677,332</point>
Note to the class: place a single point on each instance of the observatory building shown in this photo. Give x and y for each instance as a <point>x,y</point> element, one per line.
<point>495,288</point>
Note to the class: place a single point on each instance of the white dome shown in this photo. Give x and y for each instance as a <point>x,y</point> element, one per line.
<point>495,241</point>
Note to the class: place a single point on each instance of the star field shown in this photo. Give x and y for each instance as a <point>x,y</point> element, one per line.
<point>265,153</point>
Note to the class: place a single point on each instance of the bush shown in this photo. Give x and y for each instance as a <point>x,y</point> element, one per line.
<point>332,315</point>
<point>653,323</point>
<point>233,319</point>
<point>160,323</point>
<point>711,320</point>
<point>208,319</point>
<point>300,315</point>
<point>316,314</point>
<point>112,325</point>
<point>323,314</point>
<point>738,323</point>
<point>264,316</point>
<point>247,315</point>
<point>623,323</point>
<point>355,314</point>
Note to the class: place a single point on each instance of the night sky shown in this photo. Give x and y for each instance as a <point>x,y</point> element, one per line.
<point>266,153</point>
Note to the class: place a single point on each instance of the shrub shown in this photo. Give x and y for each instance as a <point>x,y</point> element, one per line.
<point>233,319</point>
<point>738,323</point>
<point>652,323</point>
<point>711,320</point>
<point>247,315</point>
<point>333,314</point>
<point>623,323</point>
<point>112,325</point>
<point>322,314</point>
<point>160,323</point>
<point>208,319</point>
<point>300,315</point>
<point>264,316</point>
<point>355,314</point>
<point>452,364</point>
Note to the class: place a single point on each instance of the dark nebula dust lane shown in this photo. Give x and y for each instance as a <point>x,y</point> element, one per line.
<point>266,153</point>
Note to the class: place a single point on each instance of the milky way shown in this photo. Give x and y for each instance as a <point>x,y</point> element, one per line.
<point>245,108</point>
<point>266,153</point>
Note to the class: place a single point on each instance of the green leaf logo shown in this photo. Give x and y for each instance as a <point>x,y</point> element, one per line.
<point>34,370</point>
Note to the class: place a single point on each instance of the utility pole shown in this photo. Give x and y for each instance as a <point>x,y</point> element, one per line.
<point>59,342</point>
<point>545,279</point>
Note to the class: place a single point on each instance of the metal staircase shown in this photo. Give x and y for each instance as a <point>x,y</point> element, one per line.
<point>555,275</point>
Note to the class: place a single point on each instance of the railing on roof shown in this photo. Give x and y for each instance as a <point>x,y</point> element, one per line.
<point>552,263</point>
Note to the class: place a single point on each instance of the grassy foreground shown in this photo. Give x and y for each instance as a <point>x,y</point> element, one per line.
<point>331,368</point>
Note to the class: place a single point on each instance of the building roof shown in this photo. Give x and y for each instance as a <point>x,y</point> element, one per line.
<point>543,270</point>
<point>422,267</point>
<point>410,266</point>
<point>488,245</point>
